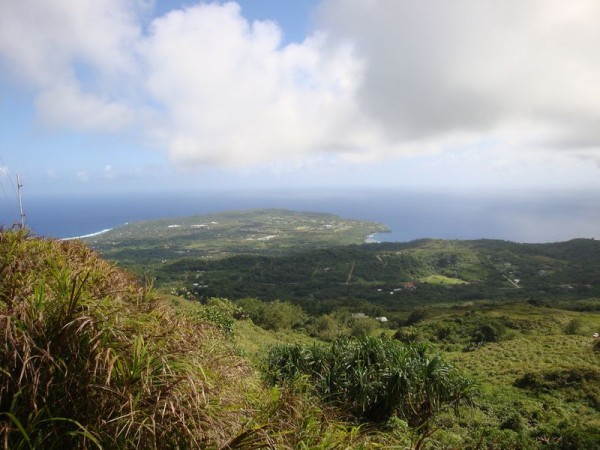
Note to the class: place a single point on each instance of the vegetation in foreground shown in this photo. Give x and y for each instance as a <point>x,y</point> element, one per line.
<point>92,359</point>
<point>374,378</point>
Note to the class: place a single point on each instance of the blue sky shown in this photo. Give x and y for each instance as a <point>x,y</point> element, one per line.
<point>109,96</point>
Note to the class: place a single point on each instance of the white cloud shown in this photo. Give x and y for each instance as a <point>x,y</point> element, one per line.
<point>108,172</point>
<point>233,95</point>
<point>66,106</point>
<point>525,72</point>
<point>78,57</point>
<point>378,78</point>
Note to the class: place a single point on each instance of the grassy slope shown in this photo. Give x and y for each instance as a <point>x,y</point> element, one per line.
<point>553,404</point>
<point>254,341</point>
<point>539,384</point>
<point>92,359</point>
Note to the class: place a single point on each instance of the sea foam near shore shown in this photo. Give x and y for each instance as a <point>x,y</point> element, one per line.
<point>87,235</point>
<point>371,239</point>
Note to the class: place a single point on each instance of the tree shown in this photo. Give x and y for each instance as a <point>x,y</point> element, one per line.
<point>363,327</point>
<point>273,315</point>
<point>417,315</point>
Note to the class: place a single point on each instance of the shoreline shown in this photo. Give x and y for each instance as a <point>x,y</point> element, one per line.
<point>86,235</point>
<point>370,239</point>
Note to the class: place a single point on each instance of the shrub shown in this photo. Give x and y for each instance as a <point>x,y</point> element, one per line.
<point>220,312</point>
<point>363,327</point>
<point>373,378</point>
<point>489,331</point>
<point>574,326</point>
<point>273,315</point>
<point>417,315</point>
<point>568,436</point>
<point>514,422</point>
<point>445,332</point>
<point>408,335</point>
<point>327,328</point>
<point>580,384</point>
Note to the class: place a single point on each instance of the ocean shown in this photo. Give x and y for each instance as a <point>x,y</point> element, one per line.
<point>410,214</point>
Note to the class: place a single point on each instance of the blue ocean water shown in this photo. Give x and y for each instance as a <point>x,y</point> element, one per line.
<point>515,216</point>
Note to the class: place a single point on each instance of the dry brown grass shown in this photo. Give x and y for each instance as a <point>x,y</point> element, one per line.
<point>89,358</point>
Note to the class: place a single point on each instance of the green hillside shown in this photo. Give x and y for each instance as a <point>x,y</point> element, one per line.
<point>487,344</point>
<point>396,276</point>
<point>92,359</point>
<point>537,368</point>
<point>229,233</point>
<point>320,261</point>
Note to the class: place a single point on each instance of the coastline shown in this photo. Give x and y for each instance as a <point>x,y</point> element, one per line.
<point>87,235</point>
<point>370,239</point>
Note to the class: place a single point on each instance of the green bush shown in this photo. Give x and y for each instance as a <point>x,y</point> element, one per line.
<point>417,315</point>
<point>218,311</point>
<point>489,331</point>
<point>273,315</point>
<point>374,378</point>
<point>577,384</point>
<point>514,422</point>
<point>445,332</point>
<point>574,326</point>
<point>408,335</point>
<point>568,436</point>
<point>326,328</point>
<point>363,327</point>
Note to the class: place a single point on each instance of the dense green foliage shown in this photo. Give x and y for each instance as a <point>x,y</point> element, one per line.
<point>398,276</point>
<point>92,359</point>
<point>518,318</point>
<point>374,378</point>
<point>539,383</point>
<point>272,315</point>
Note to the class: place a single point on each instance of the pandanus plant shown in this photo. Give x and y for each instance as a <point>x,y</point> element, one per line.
<point>374,378</point>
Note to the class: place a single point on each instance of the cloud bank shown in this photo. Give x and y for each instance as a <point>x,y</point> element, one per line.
<point>513,69</point>
<point>376,78</point>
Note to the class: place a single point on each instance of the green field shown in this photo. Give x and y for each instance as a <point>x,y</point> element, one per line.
<point>441,279</point>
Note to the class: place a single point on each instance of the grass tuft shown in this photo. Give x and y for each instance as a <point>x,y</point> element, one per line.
<point>92,359</point>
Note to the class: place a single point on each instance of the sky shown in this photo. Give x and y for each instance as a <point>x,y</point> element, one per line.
<point>106,96</point>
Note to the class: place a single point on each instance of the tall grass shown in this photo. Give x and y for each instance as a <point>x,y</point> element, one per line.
<point>91,359</point>
<point>374,378</point>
